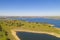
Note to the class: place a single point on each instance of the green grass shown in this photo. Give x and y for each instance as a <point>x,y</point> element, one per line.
<point>8,25</point>
<point>2,36</point>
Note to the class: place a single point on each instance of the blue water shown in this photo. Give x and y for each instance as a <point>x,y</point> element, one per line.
<point>44,20</point>
<point>35,36</point>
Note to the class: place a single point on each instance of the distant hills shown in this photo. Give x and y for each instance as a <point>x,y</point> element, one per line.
<point>50,17</point>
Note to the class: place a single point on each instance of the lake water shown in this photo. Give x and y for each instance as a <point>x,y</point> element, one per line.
<point>44,20</point>
<point>35,36</point>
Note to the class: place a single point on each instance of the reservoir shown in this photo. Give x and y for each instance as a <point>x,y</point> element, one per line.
<point>35,36</point>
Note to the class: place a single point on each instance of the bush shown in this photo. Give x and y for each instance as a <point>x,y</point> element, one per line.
<point>8,39</point>
<point>0,28</point>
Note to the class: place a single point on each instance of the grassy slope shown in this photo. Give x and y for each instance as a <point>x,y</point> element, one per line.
<point>7,25</point>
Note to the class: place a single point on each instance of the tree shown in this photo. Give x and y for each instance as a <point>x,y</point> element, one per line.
<point>8,39</point>
<point>49,26</point>
<point>6,33</point>
<point>0,28</point>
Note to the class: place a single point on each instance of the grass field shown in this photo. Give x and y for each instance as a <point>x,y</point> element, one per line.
<point>7,25</point>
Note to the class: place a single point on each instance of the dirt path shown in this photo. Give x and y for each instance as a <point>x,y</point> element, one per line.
<point>14,34</point>
<point>17,38</point>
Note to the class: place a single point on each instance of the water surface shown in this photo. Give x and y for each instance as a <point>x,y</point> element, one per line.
<point>35,36</point>
<point>43,20</point>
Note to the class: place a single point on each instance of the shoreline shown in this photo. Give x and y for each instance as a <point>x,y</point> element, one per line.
<point>14,34</point>
<point>17,38</point>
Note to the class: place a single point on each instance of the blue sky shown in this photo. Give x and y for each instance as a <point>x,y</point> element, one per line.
<point>29,7</point>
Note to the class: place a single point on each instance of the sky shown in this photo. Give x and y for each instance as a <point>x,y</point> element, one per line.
<point>29,7</point>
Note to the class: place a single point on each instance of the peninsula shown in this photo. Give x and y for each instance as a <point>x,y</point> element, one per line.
<point>9,27</point>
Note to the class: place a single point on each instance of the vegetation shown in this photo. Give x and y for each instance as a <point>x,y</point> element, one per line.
<point>7,25</point>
